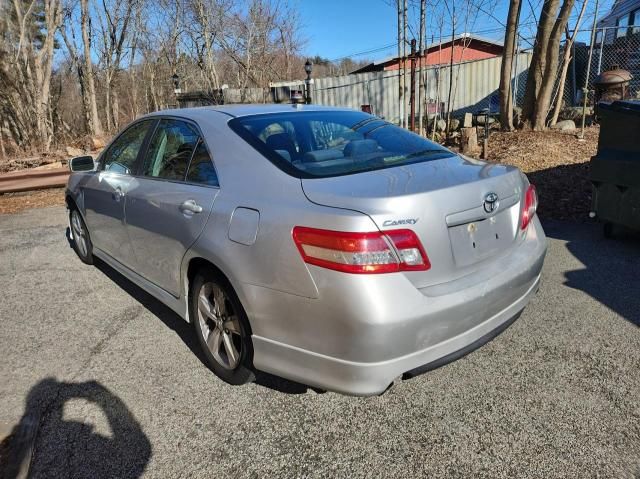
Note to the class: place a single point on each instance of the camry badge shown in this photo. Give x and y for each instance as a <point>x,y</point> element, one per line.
<point>490,202</point>
<point>408,221</point>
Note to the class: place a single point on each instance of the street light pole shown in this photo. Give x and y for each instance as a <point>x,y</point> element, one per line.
<point>176,87</point>
<point>308,67</point>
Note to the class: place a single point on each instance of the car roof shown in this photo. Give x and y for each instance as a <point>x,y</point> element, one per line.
<point>245,109</point>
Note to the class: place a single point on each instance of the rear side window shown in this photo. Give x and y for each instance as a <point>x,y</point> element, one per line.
<point>123,152</point>
<point>201,168</point>
<point>319,144</point>
<point>170,150</point>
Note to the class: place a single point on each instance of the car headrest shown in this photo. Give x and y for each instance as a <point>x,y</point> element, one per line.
<point>281,141</point>
<point>360,147</point>
<point>321,155</point>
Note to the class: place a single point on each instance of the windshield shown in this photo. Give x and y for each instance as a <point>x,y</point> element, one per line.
<point>319,144</point>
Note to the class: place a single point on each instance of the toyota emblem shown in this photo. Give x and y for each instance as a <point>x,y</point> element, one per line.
<point>490,202</point>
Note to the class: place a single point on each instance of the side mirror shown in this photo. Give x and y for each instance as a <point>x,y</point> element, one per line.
<point>82,163</point>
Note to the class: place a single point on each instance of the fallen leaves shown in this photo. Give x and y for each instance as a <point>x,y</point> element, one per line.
<point>556,162</point>
<point>14,202</point>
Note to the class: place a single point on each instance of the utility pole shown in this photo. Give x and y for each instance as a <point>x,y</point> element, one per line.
<point>400,43</point>
<point>453,40</point>
<point>423,4</point>
<point>585,90</point>
<point>412,94</point>
<point>404,60</point>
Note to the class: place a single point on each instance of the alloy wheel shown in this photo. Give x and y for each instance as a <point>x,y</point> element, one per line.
<point>219,325</point>
<point>79,233</point>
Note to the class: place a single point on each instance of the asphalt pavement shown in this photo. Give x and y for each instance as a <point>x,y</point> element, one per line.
<point>118,388</point>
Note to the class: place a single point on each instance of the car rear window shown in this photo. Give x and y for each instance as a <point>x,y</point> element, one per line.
<point>319,144</point>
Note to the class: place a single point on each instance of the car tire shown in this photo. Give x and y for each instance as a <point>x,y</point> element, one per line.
<point>222,327</point>
<point>80,240</point>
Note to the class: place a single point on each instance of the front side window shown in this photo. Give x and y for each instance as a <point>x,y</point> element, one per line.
<point>123,152</point>
<point>635,21</point>
<point>319,144</point>
<point>170,150</point>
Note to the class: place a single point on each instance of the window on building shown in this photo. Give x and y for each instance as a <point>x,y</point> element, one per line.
<point>635,21</point>
<point>622,23</point>
<point>598,38</point>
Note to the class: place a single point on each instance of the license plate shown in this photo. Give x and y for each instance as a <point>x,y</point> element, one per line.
<point>477,240</point>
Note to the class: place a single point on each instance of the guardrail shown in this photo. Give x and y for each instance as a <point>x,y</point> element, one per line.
<point>27,180</point>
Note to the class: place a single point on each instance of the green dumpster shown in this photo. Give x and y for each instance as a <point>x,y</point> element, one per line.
<point>615,169</point>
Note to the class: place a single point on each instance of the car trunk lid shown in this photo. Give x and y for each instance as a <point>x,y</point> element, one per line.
<point>465,212</point>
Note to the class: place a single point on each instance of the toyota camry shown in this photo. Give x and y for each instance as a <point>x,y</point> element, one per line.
<point>324,245</point>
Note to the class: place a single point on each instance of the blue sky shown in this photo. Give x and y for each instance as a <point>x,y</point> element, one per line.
<point>339,28</point>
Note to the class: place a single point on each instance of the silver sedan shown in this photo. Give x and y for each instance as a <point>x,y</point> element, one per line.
<point>323,245</point>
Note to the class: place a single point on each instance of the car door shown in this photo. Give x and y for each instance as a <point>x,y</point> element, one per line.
<point>104,193</point>
<point>169,202</point>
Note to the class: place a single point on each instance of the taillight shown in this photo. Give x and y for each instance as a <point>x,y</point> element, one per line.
<point>530,206</point>
<point>375,252</point>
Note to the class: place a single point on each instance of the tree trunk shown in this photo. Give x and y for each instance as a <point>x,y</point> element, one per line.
<point>42,70</point>
<point>152,90</point>
<point>561,82</point>
<point>107,100</point>
<point>543,100</point>
<point>566,60</point>
<point>506,69</point>
<point>538,59</point>
<point>115,103</point>
<point>91,106</point>
<point>3,153</point>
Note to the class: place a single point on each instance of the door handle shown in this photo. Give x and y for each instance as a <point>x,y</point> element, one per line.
<point>118,194</point>
<point>190,206</point>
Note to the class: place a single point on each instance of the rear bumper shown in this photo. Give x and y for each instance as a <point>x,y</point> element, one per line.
<point>365,331</point>
<point>364,379</point>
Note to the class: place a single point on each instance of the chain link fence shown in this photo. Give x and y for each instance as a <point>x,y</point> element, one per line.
<point>614,47</point>
<point>475,83</point>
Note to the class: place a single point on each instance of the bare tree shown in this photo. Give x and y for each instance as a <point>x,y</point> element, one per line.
<point>26,62</point>
<point>122,54</point>
<point>566,60</point>
<point>115,27</point>
<point>510,45</point>
<point>95,125</point>
<point>84,66</point>
<point>544,62</point>
<point>208,16</point>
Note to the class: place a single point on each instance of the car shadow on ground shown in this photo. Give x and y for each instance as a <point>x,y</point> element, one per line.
<point>185,331</point>
<point>611,272</point>
<point>66,447</point>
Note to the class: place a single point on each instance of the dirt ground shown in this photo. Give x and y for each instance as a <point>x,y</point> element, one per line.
<point>14,202</point>
<point>556,162</point>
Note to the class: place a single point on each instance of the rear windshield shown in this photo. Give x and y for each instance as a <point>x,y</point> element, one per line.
<point>319,144</point>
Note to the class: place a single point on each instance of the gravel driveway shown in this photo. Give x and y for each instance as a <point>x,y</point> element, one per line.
<point>120,389</point>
